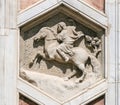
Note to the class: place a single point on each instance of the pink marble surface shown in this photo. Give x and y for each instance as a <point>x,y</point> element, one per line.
<point>26,3</point>
<point>98,4</point>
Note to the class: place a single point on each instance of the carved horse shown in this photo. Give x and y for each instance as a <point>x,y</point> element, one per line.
<point>79,58</point>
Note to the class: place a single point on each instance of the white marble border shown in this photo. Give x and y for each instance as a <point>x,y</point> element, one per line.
<point>11,67</point>
<point>36,11</point>
<point>44,7</point>
<point>88,11</point>
<point>92,93</point>
<point>112,11</point>
<point>35,94</point>
<point>40,96</point>
<point>8,52</point>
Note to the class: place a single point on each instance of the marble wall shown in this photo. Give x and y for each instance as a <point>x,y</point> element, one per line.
<point>10,21</point>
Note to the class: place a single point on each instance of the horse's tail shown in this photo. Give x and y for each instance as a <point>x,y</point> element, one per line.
<point>95,65</point>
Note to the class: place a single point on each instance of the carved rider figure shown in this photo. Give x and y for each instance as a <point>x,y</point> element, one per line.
<point>67,37</point>
<point>60,39</point>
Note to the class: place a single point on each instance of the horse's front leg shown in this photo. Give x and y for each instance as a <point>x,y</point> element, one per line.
<point>36,59</point>
<point>33,60</point>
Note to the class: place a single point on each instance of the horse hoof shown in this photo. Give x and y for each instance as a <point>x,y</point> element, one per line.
<point>66,78</point>
<point>30,64</point>
<point>78,81</point>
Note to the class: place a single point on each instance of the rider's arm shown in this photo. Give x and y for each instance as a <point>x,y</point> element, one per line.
<point>59,37</point>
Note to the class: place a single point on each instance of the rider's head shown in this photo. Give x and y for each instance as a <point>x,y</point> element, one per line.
<point>60,26</point>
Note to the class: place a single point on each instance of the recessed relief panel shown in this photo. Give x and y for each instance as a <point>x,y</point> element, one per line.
<point>61,56</point>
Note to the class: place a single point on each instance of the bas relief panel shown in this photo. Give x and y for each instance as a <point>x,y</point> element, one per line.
<point>61,56</point>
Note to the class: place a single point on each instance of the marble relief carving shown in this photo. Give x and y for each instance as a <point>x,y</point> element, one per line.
<point>61,58</point>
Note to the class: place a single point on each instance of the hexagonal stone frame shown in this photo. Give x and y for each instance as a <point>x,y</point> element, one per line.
<point>65,6</point>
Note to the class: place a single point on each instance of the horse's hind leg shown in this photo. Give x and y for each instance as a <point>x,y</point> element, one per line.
<point>71,74</point>
<point>82,68</point>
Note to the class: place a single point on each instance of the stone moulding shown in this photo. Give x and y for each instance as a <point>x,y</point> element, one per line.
<point>27,90</point>
<point>29,14</point>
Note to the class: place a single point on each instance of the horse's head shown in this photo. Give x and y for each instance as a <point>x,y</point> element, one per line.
<point>41,34</point>
<point>39,38</point>
<point>47,34</point>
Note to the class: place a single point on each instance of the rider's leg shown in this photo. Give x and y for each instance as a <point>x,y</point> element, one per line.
<point>61,52</point>
<point>68,50</point>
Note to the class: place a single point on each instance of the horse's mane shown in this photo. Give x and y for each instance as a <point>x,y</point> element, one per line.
<point>50,29</point>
